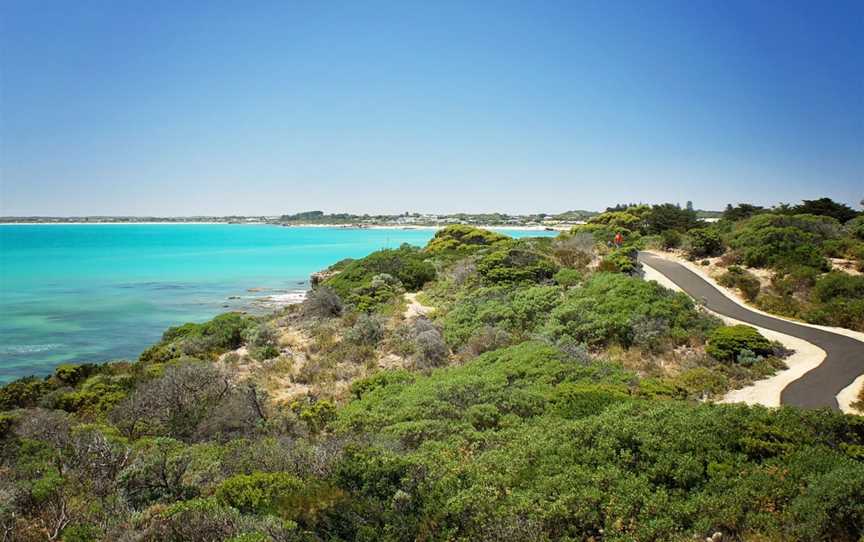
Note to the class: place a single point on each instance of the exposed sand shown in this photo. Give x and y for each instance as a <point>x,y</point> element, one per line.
<point>849,395</point>
<point>415,309</point>
<point>844,398</point>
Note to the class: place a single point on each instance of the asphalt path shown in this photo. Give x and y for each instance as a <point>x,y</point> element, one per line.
<point>817,388</point>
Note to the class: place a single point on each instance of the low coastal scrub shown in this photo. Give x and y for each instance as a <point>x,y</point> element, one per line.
<point>372,281</point>
<point>548,396</point>
<point>738,344</point>
<point>743,280</point>
<point>459,239</point>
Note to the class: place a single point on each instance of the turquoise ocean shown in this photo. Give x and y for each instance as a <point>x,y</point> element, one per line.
<point>91,293</point>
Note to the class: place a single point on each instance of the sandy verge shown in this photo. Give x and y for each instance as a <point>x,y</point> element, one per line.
<point>415,309</point>
<point>765,392</point>
<point>849,395</point>
<point>850,391</point>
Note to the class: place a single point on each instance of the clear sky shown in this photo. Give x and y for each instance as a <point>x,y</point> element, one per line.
<point>184,107</point>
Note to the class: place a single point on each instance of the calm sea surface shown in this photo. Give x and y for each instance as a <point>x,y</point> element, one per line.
<point>71,293</point>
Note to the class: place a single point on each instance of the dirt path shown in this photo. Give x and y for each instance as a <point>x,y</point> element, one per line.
<point>415,309</point>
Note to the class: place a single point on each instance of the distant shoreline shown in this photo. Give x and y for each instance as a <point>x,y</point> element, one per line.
<point>328,226</point>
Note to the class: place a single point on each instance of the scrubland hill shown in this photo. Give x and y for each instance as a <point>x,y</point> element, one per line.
<point>479,388</point>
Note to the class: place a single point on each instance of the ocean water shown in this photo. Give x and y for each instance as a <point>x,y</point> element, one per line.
<point>76,293</point>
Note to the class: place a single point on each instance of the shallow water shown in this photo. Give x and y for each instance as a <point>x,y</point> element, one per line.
<point>73,293</point>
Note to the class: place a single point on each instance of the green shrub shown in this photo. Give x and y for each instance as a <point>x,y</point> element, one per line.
<point>407,264</point>
<point>515,265</point>
<point>778,241</point>
<point>726,343</point>
<point>617,220</point>
<point>704,242</point>
<point>840,285</point>
<point>23,393</point>
<point>518,311</point>
<point>855,227</point>
<point>380,380</point>
<point>322,302</point>
<point>318,415</point>
<point>71,374</point>
<point>204,341</point>
<point>700,383</point>
<point>783,304</point>
<point>260,493</point>
<point>262,341</point>
<point>848,313</point>
<point>460,238</point>
<point>825,207</point>
<point>667,216</point>
<point>611,307</point>
<point>621,260</point>
<point>367,330</point>
<point>747,282</point>
<point>602,233</point>
<point>671,239</point>
<point>568,277</point>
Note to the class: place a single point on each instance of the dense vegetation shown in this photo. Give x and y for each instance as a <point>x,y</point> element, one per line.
<point>551,394</point>
<point>810,255</point>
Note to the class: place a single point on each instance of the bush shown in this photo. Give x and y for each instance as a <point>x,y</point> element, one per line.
<point>513,311</point>
<point>855,227</point>
<point>618,219</point>
<point>667,216</point>
<point>515,265</point>
<point>737,277</point>
<point>848,313</point>
<point>367,330</point>
<point>671,239</point>
<point>262,341</point>
<point>460,238</point>
<point>407,264</point>
<point>568,277</point>
<point>71,374</point>
<point>610,308</point>
<point>602,233</point>
<point>576,251</point>
<point>260,493</point>
<point>778,241</point>
<point>840,285</point>
<point>726,343</point>
<point>322,302</point>
<point>825,207</point>
<point>318,415</point>
<point>203,341</point>
<point>23,393</point>
<point>431,349</point>
<point>622,260</point>
<point>704,242</point>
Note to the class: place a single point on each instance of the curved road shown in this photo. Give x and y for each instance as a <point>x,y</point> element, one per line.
<point>817,388</point>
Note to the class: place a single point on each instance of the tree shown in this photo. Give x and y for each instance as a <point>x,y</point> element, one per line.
<point>741,212</point>
<point>670,217</point>
<point>826,207</point>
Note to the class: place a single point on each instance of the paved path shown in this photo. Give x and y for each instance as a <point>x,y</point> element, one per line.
<point>817,388</point>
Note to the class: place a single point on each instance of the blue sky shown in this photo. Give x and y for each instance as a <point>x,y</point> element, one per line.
<point>178,107</point>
